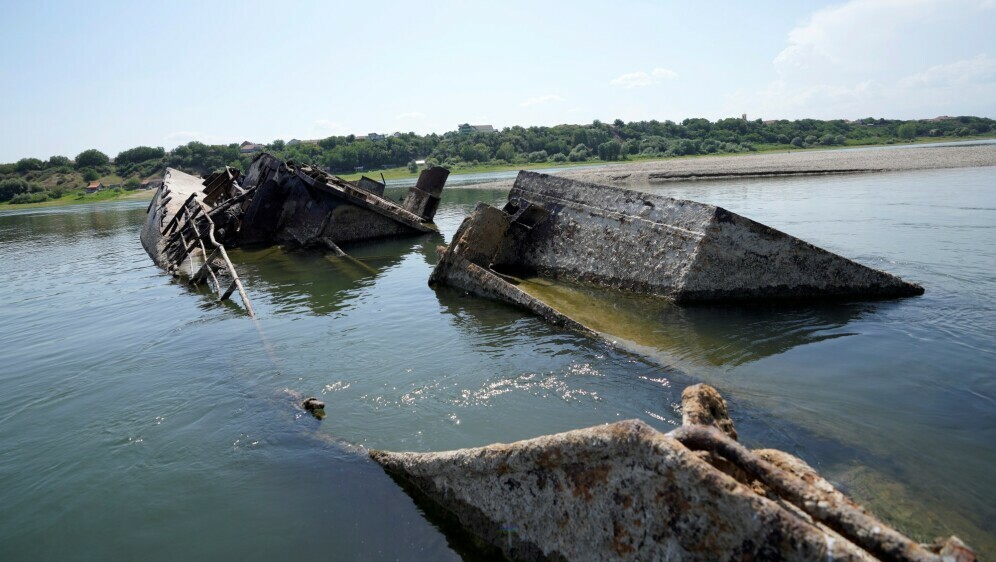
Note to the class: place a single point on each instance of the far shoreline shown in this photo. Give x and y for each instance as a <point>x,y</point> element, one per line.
<point>977,152</point>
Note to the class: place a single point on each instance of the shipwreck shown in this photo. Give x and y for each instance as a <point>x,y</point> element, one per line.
<point>191,220</point>
<point>683,251</point>
<point>625,491</point>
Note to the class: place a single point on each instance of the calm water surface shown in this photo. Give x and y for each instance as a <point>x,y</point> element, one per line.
<point>139,419</point>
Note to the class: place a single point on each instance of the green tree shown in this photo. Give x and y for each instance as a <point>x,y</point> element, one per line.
<point>29,164</point>
<point>58,161</point>
<point>136,155</point>
<point>906,131</point>
<point>610,150</point>
<point>412,166</point>
<point>92,158</point>
<point>132,184</point>
<point>90,174</point>
<point>11,187</point>
<point>579,154</point>
<point>506,152</point>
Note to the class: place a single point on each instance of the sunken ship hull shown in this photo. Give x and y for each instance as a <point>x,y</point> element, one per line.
<point>192,220</point>
<point>682,251</point>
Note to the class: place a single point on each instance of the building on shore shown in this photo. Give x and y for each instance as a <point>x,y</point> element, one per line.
<point>250,147</point>
<point>466,129</point>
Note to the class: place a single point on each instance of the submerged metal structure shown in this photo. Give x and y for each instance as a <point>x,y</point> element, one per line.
<point>192,220</point>
<point>684,251</point>
<point>624,491</point>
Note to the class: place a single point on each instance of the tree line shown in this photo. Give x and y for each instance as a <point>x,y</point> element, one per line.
<point>32,179</point>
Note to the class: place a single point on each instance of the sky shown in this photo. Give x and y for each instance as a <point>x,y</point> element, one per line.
<point>113,75</point>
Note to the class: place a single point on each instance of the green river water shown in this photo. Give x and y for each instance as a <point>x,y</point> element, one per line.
<point>140,420</point>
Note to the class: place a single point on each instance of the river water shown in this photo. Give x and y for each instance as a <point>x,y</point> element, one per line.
<point>138,419</point>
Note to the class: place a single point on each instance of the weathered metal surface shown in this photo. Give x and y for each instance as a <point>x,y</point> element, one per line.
<point>625,491</point>
<point>273,202</point>
<point>680,250</point>
<point>423,199</point>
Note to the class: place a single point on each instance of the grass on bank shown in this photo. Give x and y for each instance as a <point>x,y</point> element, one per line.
<point>80,197</point>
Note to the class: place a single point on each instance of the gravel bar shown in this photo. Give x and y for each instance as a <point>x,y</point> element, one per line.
<point>780,164</point>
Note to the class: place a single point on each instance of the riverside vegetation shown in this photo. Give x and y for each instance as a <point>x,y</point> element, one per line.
<point>62,180</point>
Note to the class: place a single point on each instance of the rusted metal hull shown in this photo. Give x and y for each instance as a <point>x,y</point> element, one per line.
<point>191,220</point>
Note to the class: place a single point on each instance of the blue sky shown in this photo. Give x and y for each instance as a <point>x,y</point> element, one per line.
<point>113,75</point>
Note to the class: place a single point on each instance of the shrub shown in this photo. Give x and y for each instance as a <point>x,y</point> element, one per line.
<point>11,187</point>
<point>559,157</point>
<point>132,184</point>
<point>90,175</point>
<point>907,131</point>
<point>29,198</point>
<point>538,156</point>
<point>579,154</point>
<point>797,142</point>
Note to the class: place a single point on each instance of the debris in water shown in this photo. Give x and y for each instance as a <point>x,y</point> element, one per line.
<point>315,406</point>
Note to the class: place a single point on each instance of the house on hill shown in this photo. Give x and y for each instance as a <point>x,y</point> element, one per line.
<point>250,147</point>
<point>94,187</point>
<point>467,128</point>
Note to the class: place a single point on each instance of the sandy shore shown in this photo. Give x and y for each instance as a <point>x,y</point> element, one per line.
<point>877,159</point>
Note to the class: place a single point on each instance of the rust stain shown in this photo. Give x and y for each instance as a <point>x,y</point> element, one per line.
<point>583,478</point>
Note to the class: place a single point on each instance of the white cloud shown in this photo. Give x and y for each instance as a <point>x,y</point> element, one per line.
<point>549,98</point>
<point>894,58</point>
<point>411,115</point>
<point>640,79</point>
<point>664,73</point>
<point>979,69</point>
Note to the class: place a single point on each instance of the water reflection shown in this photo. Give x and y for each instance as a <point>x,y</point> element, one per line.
<point>729,334</point>
<point>319,282</point>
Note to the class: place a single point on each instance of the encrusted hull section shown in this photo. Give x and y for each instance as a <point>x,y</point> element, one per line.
<point>679,250</point>
<point>625,491</point>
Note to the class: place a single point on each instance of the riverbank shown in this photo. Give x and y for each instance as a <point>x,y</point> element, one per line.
<point>77,198</point>
<point>802,162</point>
<point>402,173</point>
<point>774,164</point>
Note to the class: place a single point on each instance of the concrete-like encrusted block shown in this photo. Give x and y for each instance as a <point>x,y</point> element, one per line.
<point>625,491</point>
<point>615,492</point>
<point>677,249</point>
<point>701,404</point>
